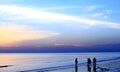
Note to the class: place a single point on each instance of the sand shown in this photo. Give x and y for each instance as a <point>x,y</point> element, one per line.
<point>113,66</point>
<point>105,66</point>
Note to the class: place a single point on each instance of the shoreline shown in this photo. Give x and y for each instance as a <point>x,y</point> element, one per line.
<point>111,64</point>
<point>4,66</point>
<point>58,63</point>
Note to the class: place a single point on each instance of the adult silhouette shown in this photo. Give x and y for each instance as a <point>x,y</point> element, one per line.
<point>94,64</point>
<point>76,65</point>
<point>89,65</point>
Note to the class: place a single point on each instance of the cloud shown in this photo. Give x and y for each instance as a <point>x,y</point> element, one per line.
<point>54,18</point>
<point>58,44</point>
<point>108,11</point>
<point>103,14</point>
<point>10,34</point>
<point>99,15</point>
<point>93,7</point>
<point>74,44</point>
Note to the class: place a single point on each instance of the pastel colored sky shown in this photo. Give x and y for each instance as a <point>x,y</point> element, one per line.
<point>54,23</point>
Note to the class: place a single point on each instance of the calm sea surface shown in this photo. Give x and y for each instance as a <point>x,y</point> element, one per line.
<point>29,61</point>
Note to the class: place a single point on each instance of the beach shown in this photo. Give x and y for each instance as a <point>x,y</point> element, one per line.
<point>60,62</point>
<point>113,66</point>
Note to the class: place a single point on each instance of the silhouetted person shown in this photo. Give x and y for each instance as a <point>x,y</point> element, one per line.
<point>76,61</point>
<point>76,66</point>
<point>89,65</point>
<point>94,64</point>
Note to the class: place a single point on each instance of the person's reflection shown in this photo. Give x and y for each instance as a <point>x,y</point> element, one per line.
<point>76,65</point>
<point>94,64</point>
<point>89,65</point>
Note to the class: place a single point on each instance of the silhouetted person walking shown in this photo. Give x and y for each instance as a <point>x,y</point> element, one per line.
<point>89,65</point>
<point>94,64</point>
<point>76,65</point>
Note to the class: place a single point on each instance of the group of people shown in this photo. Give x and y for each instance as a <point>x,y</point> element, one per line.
<point>89,65</point>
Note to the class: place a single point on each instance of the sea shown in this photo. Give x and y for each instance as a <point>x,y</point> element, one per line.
<point>26,62</point>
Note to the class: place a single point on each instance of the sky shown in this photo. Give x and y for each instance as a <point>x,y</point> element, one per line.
<point>59,25</point>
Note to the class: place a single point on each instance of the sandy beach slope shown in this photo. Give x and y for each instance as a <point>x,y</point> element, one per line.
<point>113,66</point>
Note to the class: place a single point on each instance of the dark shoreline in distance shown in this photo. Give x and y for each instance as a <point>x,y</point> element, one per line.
<point>5,66</point>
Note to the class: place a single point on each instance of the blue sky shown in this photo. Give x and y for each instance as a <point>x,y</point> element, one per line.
<point>43,23</point>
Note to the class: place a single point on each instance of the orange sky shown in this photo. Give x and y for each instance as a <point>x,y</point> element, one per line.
<point>11,34</point>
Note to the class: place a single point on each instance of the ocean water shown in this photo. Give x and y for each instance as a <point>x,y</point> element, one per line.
<point>31,61</point>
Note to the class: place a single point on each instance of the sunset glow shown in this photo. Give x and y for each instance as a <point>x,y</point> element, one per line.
<point>48,24</point>
<point>12,34</point>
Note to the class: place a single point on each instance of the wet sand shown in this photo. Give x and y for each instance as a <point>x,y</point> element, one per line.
<point>113,66</point>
